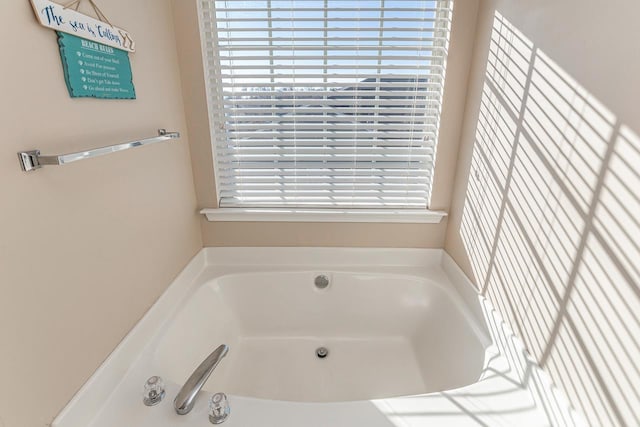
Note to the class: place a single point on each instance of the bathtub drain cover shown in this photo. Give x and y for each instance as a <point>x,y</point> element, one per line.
<point>322,352</point>
<point>321,281</point>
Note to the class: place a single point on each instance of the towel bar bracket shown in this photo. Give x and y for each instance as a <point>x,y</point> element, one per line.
<point>29,160</point>
<point>32,159</point>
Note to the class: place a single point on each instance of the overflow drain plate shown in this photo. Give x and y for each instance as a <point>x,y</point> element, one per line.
<point>322,352</point>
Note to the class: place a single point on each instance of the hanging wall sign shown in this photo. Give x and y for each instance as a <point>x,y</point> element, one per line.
<point>95,54</point>
<point>70,21</point>
<point>94,69</point>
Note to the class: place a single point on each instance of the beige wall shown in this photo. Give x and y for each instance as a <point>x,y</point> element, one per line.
<point>85,248</point>
<point>323,234</point>
<point>546,213</point>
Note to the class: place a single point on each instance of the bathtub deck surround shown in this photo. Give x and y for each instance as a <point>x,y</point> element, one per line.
<point>397,337</point>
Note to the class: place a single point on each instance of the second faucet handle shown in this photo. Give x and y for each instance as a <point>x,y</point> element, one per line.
<point>219,408</point>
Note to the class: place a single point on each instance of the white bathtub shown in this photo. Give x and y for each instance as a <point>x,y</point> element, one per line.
<point>410,344</point>
<point>387,335</point>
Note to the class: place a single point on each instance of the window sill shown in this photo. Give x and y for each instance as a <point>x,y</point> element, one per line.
<point>411,216</point>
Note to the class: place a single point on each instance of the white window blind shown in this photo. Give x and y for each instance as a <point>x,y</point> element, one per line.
<point>325,103</point>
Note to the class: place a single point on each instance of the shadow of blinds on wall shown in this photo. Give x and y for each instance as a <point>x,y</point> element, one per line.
<point>325,103</point>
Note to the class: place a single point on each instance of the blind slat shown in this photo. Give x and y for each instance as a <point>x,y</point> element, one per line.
<point>324,144</point>
<point>322,171</point>
<point>423,56</point>
<point>349,165</point>
<point>240,86</point>
<point>308,29</point>
<point>364,101</point>
<point>298,66</point>
<point>335,39</point>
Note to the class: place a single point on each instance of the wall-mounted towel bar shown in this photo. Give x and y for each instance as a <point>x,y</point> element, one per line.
<point>31,160</point>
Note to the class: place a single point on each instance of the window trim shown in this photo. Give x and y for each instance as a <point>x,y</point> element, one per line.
<point>287,214</point>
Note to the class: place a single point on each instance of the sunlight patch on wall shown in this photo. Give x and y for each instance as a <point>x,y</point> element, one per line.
<point>550,224</point>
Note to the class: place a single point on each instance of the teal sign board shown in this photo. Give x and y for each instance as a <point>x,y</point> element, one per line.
<point>95,70</point>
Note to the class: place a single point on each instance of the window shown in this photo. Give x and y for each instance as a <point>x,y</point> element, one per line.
<point>325,103</point>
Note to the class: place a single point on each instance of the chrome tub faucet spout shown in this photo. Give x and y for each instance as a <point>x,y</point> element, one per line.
<point>183,403</point>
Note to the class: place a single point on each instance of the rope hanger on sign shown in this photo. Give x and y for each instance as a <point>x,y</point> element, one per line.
<point>75,4</point>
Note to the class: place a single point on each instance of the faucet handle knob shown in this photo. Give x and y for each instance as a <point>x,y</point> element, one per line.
<point>153,391</point>
<point>219,408</point>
